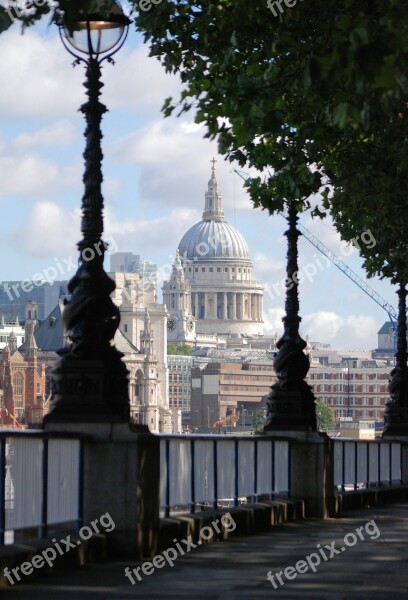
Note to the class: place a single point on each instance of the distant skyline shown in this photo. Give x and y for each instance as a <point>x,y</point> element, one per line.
<point>155,176</point>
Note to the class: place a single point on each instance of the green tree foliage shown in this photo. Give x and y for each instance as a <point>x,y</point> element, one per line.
<point>258,421</point>
<point>373,196</point>
<point>325,415</point>
<point>278,92</point>
<point>182,349</point>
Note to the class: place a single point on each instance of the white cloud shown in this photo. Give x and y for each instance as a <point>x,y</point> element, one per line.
<point>49,231</point>
<point>154,238</point>
<point>60,133</point>
<point>31,175</point>
<point>273,321</point>
<point>266,265</point>
<point>138,82</point>
<point>356,332</point>
<point>174,162</point>
<point>353,332</point>
<point>40,79</point>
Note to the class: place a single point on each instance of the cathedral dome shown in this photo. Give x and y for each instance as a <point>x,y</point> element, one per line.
<point>213,240</point>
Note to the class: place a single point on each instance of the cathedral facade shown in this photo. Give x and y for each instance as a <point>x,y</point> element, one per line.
<point>211,291</point>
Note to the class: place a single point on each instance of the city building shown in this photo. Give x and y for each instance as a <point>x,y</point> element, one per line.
<point>387,342</point>
<point>133,295</point>
<point>127,262</point>
<point>180,385</point>
<point>22,378</point>
<point>216,295</point>
<point>7,328</point>
<point>229,393</point>
<point>142,339</point>
<point>356,388</point>
<point>14,296</point>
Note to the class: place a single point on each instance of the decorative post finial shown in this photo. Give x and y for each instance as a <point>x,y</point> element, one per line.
<point>213,173</point>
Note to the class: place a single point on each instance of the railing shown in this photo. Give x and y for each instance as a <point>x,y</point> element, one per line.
<point>360,464</point>
<point>40,483</point>
<point>198,472</point>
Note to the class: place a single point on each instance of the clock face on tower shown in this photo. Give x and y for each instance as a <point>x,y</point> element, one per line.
<point>171,323</point>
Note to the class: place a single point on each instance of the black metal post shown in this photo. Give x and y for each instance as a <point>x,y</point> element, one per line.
<point>90,381</point>
<point>396,412</point>
<point>291,401</point>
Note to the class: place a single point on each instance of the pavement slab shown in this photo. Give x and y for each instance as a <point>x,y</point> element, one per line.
<point>373,567</point>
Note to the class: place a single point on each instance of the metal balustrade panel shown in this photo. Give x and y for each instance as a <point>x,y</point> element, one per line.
<point>163,473</point>
<point>281,467</point>
<point>362,465</point>
<point>246,468</point>
<point>338,463</point>
<point>226,469</point>
<point>180,472</point>
<point>63,480</point>
<point>349,466</point>
<point>25,466</point>
<point>373,465</point>
<point>264,467</point>
<point>385,473</point>
<point>396,467</point>
<point>204,470</point>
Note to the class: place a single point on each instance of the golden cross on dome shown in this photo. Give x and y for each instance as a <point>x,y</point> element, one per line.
<point>213,174</point>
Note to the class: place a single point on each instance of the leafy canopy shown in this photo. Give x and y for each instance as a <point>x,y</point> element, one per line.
<point>324,415</point>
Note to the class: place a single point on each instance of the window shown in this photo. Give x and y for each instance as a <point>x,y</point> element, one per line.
<point>125,328</point>
<point>211,269</point>
<point>18,385</point>
<point>203,269</point>
<point>226,269</point>
<point>196,270</point>
<point>218,269</point>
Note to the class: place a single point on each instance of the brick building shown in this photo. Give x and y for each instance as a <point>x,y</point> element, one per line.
<point>357,389</point>
<point>22,377</point>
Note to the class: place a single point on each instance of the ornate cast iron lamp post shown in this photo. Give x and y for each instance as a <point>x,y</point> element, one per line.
<point>90,380</point>
<point>291,401</point>
<point>396,412</point>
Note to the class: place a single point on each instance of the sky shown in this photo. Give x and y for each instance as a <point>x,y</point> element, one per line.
<point>156,171</point>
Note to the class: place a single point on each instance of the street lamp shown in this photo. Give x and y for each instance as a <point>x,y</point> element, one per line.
<point>291,403</point>
<point>90,381</point>
<point>396,411</point>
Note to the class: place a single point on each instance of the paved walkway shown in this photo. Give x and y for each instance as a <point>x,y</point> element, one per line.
<point>237,569</point>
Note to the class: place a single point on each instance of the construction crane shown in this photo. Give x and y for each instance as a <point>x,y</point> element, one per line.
<point>363,285</point>
<point>231,419</point>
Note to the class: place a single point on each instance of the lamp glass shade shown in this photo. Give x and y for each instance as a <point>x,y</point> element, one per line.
<point>95,37</point>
